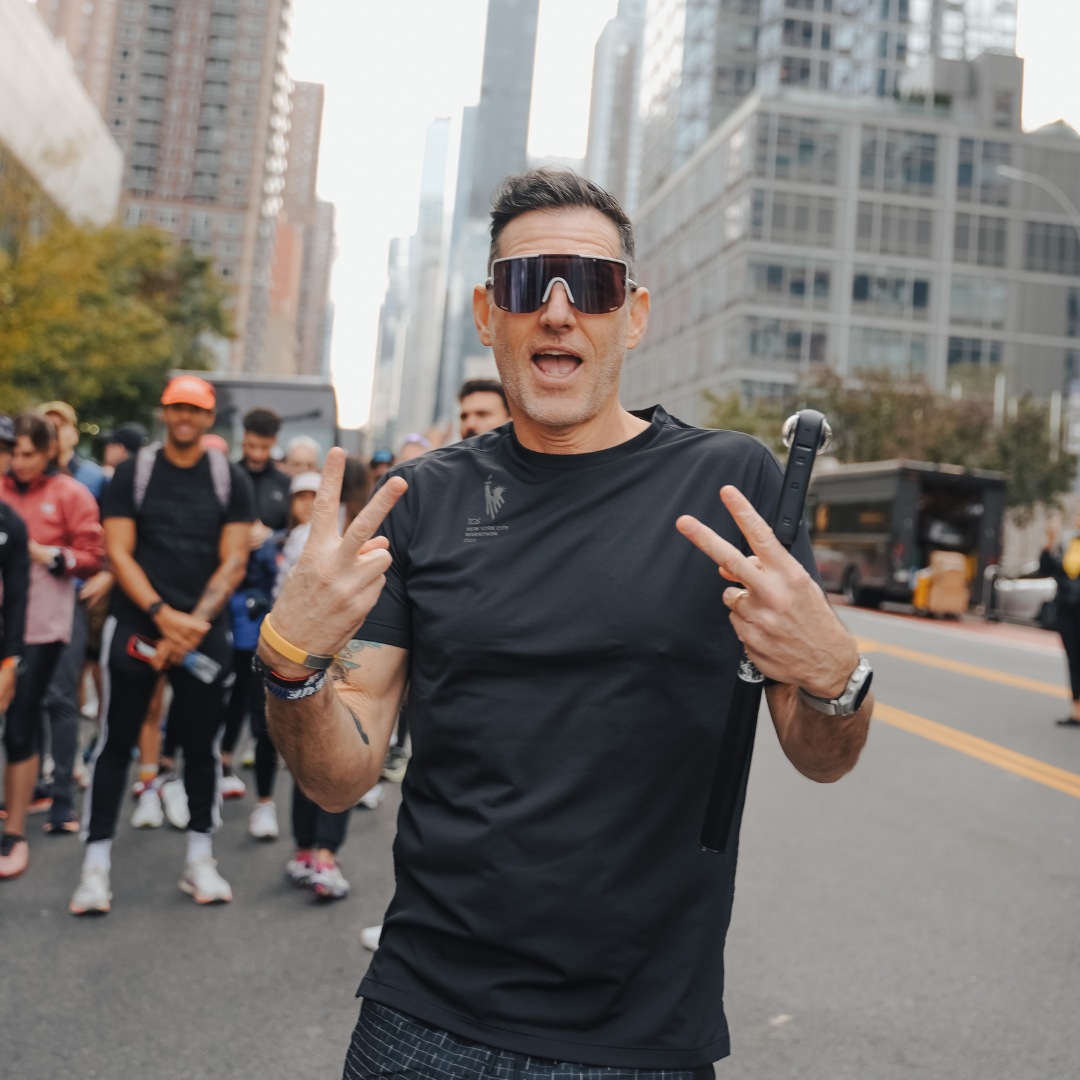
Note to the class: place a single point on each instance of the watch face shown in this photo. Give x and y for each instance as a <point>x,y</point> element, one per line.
<point>864,689</point>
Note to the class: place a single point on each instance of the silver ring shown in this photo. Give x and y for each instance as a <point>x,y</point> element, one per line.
<point>742,594</point>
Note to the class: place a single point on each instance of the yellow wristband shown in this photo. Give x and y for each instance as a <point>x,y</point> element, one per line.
<point>291,651</point>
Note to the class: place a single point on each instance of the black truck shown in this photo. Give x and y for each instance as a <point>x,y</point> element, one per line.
<point>875,525</point>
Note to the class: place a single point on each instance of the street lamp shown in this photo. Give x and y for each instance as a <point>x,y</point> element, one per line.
<point>1051,189</point>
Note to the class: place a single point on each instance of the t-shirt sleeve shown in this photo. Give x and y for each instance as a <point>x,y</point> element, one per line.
<point>118,498</point>
<point>241,497</point>
<point>389,622</point>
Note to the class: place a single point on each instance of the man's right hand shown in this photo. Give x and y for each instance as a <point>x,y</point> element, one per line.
<point>337,579</point>
<point>182,631</point>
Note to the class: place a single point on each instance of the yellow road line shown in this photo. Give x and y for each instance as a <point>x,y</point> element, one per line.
<point>1020,764</point>
<point>1019,682</point>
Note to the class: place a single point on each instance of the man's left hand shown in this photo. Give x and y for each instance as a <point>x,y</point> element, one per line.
<point>780,614</point>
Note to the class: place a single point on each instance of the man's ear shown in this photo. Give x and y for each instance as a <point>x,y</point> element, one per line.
<point>639,316</point>
<point>481,307</point>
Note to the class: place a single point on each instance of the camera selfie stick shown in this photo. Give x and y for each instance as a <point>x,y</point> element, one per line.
<point>805,434</point>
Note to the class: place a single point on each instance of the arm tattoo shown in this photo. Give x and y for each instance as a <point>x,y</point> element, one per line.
<point>359,726</point>
<point>344,663</point>
<point>218,590</point>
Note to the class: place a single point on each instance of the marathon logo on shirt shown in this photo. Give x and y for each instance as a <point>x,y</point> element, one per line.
<point>494,499</point>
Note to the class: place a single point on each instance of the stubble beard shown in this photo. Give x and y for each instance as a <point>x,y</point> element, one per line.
<point>560,410</point>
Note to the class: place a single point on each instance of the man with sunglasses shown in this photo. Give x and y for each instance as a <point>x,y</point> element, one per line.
<point>570,661</point>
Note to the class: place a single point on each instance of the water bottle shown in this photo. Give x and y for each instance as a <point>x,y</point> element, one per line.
<point>203,667</point>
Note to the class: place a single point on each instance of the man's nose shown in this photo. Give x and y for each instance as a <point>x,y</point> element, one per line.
<point>557,311</point>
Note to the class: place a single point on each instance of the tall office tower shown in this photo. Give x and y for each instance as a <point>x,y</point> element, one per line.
<point>613,151</point>
<point>961,29</point>
<point>303,249</point>
<point>502,114</point>
<point>390,350</point>
<point>428,253</point>
<point>699,61</point>
<point>198,99</point>
<point>494,136</point>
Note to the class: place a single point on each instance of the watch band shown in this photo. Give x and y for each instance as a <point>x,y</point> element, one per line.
<point>155,607</point>
<point>290,651</point>
<point>850,700</point>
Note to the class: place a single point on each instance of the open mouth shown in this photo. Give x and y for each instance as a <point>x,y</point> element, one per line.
<point>556,365</point>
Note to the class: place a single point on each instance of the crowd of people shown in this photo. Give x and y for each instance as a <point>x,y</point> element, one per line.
<point>132,592</point>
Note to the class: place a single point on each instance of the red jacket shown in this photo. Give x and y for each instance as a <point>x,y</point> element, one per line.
<point>59,512</point>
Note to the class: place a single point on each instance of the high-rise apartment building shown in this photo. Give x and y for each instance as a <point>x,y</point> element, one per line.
<point>919,235</point>
<point>197,96</point>
<point>613,152</point>
<point>702,57</point>
<point>303,250</point>
<point>961,29</point>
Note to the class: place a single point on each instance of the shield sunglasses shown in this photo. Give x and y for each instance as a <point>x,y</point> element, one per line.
<point>522,283</point>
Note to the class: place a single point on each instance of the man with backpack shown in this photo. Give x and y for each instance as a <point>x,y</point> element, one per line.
<point>177,529</point>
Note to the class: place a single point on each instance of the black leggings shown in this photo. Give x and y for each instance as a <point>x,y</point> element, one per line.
<point>128,686</point>
<point>25,719</point>
<point>314,827</point>
<point>1068,624</point>
<point>266,761</point>
<point>239,700</point>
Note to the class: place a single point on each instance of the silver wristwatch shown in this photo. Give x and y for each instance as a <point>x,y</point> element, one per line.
<point>854,694</point>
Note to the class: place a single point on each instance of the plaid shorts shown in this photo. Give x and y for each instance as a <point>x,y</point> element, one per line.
<point>386,1043</point>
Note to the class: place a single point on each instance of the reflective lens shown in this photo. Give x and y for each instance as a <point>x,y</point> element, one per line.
<point>523,283</point>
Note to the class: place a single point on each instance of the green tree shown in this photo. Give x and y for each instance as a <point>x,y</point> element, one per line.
<point>97,317</point>
<point>883,418</point>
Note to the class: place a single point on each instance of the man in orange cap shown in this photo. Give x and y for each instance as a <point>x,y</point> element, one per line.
<point>177,522</point>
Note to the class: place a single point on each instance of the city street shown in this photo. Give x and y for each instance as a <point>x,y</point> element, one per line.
<point>917,919</point>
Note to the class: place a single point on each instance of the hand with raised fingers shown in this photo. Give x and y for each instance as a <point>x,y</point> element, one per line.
<point>337,579</point>
<point>779,612</point>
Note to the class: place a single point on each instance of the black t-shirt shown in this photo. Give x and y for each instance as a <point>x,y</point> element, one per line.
<point>571,666</point>
<point>178,527</point>
<point>272,498</point>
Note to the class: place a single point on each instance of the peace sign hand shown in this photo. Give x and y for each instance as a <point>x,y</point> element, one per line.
<point>781,616</point>
<point>337,579</point>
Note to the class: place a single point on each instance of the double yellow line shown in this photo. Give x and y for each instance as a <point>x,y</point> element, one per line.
<point>1020,764</point>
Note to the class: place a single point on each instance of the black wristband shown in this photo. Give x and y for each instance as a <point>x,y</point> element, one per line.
<point>154,608</point>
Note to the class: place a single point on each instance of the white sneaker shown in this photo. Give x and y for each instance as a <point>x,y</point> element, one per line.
<point>175,804</point>
<point>262,824</point>
<point>371,799</point>
<point>202,881</point>
<point>148,813</point>
<point>369,937</point>
<point>300,871</point>
<point>92,895</point>
<point>329,883</point>
<point>232,787</point>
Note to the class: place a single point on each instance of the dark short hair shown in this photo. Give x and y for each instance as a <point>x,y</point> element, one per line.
<point>37,429</point>
<point>483,386</point>
<point>264,422</point>
<point>555,189</point>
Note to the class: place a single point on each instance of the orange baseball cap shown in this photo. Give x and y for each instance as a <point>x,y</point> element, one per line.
<point>189,390</point>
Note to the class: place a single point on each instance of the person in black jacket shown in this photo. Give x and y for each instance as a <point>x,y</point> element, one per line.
<point>1060,559</point>
<point>14,580</point>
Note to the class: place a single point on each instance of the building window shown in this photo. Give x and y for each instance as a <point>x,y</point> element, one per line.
<point>973,351</point>
<point>1052,249</point>
<point>875,348</point>
<point>893,292</point>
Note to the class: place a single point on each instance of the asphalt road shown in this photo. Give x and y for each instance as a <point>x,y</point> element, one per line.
<point>920,918</point>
